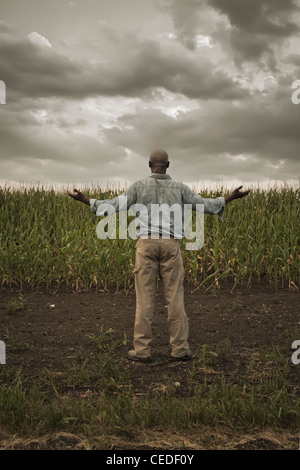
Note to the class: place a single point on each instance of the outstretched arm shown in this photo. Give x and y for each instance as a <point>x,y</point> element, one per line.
<point>236,194</point>
<point>78,196</point>
<point>211,205</point>
<point>121,202</point>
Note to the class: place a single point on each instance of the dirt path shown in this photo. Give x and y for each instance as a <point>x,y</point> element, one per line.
<point>52,326</point>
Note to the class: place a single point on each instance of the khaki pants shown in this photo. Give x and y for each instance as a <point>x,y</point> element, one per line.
<point>163,257</point>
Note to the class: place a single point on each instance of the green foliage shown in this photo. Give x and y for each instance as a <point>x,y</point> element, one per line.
<point>97,398</point>
<point>48,239</point>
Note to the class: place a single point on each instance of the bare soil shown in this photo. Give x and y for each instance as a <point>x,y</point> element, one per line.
<point>55,324</point>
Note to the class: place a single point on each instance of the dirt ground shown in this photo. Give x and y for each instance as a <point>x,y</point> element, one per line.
<point>54,325</point>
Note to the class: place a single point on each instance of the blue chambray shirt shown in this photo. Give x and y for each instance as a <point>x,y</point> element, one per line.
<point>158,189</point>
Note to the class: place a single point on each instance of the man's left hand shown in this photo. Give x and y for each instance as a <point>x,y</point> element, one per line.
<point>79,196</point>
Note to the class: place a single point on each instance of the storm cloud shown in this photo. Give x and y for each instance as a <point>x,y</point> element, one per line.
<point>92,89</point>
<point>33,70</point>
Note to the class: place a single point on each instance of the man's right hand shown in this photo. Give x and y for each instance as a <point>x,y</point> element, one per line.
<point>78,196</point>
<point>236,194</point>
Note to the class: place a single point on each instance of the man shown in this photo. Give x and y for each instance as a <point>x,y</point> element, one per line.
<point>158,253</point>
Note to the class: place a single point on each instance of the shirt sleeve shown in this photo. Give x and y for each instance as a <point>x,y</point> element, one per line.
<point>120,203</point>
<point>213,206</point>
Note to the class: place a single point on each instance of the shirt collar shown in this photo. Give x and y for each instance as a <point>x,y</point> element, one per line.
<point>160,176</point>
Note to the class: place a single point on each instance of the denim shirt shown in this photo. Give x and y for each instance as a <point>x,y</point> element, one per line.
<point>156,190</point>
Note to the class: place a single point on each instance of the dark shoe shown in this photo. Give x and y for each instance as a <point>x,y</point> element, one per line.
<point>185,358</point>
<point>133,357</point>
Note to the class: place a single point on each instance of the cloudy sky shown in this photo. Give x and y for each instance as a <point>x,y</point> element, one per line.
<point>93,86</point>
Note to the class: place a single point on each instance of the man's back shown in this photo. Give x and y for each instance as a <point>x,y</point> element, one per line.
<point>161,204</point>
<point>158,189</point>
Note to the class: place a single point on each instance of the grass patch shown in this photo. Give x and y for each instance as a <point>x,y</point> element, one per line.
<point>98,397</point>
<point>16,305</point>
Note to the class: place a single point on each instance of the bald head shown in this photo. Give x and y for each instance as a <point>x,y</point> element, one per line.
<point>159,161</point>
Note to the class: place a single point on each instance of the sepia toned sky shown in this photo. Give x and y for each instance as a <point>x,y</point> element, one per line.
<point>93,86</point>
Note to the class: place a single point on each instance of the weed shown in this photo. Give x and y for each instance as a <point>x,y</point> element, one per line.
<point>16,305</point>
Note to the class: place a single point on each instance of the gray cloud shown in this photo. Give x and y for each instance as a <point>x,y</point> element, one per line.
<point>33,151</point>
<point>224,140</point>
<point>268,17</point>
<point>258,26</point>
<point>31,70</point>
<point>293,59</point>
<point>208,81</point>
<point>246,30</point>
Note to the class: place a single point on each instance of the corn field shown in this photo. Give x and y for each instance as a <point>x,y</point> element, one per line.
<point>48,239</point>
